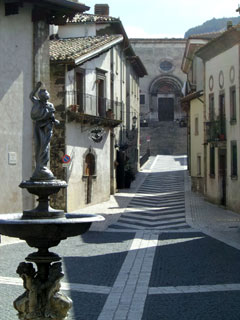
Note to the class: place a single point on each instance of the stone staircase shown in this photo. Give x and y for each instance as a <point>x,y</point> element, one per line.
<point>166,138</point>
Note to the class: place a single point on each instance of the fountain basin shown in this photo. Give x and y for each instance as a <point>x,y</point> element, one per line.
<point>46,233</point>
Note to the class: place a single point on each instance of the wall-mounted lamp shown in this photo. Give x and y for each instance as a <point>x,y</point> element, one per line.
<point>134,122</point>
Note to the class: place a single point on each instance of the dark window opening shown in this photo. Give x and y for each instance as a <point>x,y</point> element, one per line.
<point>222,120</point>
<point>233,104</point>
<point>233,159</point>
<point>90,165</point>
<point>142,98</point>
<point>211,107</point>
<point>212,161</point>
<point>166,65</point>
<point>11,8</point>
<point>80,90</point>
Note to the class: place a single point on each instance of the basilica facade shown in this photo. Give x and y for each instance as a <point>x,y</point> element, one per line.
<point>160,93</point>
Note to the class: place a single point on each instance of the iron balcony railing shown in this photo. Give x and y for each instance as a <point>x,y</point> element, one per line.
<point>94,105</point>
<point>216,130</point>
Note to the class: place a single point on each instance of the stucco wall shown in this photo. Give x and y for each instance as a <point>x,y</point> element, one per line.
<point>225,63</point>
<point>77,30</point>
<point>78,145</point>
<point>16,71</point>
<point>197,140</point>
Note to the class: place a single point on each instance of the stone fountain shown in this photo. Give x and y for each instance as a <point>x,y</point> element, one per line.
<point>43,227</point>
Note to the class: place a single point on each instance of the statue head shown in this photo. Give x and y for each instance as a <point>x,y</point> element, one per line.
<point>43,95</point>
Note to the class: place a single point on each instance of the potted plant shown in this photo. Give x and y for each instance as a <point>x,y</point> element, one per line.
<point>109,114</point>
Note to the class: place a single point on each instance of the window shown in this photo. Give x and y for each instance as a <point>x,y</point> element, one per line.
<point>166,65</point>
<point>142,98</point>
<point>80,87</point>
<point>101,95</point>
<point>117,62</point>
<point>212,161</point>
<point>233,159</point>
<point>211,107</point>
<point>196,126</point>
<point>11,8</point>
<point>199,167</point>
<point>233,105</point>
<point>222,121</point>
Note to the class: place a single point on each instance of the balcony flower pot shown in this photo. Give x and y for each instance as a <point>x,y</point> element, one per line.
<point>221,137</point>
<point>109,114</point>
<point>73,107</point>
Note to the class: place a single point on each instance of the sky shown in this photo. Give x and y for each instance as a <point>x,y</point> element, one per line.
<point>165,19</point>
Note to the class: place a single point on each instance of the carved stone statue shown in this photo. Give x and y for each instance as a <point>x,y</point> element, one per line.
<point>41,300</point>
<point>43,115</point>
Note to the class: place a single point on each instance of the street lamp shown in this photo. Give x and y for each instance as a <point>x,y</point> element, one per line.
<point>134,122</point>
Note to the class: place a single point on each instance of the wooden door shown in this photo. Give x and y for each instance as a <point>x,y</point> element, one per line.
<point>165,109</point>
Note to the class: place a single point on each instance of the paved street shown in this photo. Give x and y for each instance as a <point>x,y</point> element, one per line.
<point>163,253</point>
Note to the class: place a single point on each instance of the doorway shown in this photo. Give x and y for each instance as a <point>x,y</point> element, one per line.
<point>222,175</point>
<point>89,173</point>
<point>165,109</point>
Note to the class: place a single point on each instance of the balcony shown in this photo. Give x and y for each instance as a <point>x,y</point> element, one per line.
<point>87,108</point>
<point>216,130</point>
<point>93,105</point>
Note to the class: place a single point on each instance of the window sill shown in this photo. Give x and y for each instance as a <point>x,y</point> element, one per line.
<point>234,177</point>
<point>212,176</point>
<point>85,177</point>
<point>233,121</point>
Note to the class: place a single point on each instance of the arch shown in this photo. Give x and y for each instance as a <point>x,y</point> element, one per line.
<point>165,92</point>
<point>90,165</point>
<point>90,160</point>
<point>89,173</point>
<point>166,84</point>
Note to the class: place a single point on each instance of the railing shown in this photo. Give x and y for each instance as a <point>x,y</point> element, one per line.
<point>144,158</point>
<point>216,130</point>
<point>94,105</point>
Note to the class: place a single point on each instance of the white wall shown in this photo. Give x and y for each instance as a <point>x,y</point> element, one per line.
<point>224,62</point>
<point>16,61</point>
<point>78,143</point>
<point>77,30</point>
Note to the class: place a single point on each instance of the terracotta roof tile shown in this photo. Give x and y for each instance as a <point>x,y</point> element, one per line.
<point>207,36</point>
<point>87,18</point>
<point>69,49</point>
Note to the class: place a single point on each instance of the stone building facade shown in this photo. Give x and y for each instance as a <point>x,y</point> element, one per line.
<point>95,87</point>
<point>24,60</point>
<point>160,93</point>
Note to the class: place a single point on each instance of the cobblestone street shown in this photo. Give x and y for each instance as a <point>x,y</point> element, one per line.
<point>163,253</point>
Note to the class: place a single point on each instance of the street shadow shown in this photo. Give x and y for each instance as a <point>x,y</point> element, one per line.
<point>182,160</point>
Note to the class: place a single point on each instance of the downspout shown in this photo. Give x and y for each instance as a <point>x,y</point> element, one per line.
<point>205,131</point>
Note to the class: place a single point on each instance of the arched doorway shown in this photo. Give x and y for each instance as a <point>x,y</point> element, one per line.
<point>165,94</point>
<point>89,173</point>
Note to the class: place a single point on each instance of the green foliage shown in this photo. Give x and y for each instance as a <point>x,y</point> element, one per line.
<point>213,25</point>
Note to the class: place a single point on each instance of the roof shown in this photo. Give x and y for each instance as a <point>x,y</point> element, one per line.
<point>192,95</point>
<point>220,44</point>
<point>117,28</point>
<point>206,36</point>
<point>91,18</point>
<point>194,43</point>
<point>157,40</point>
<point>71,50</point>
<point>56,4</point>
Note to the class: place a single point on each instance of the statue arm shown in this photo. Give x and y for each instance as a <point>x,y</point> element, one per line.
<point>32,94</point>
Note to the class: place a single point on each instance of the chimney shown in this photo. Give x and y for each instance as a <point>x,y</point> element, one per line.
<point>101,9</point>
<point>229,25</point>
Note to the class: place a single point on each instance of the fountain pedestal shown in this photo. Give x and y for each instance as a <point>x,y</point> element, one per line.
<point>43,228</point>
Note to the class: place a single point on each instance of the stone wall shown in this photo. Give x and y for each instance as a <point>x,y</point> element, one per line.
<point>58,148</point>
